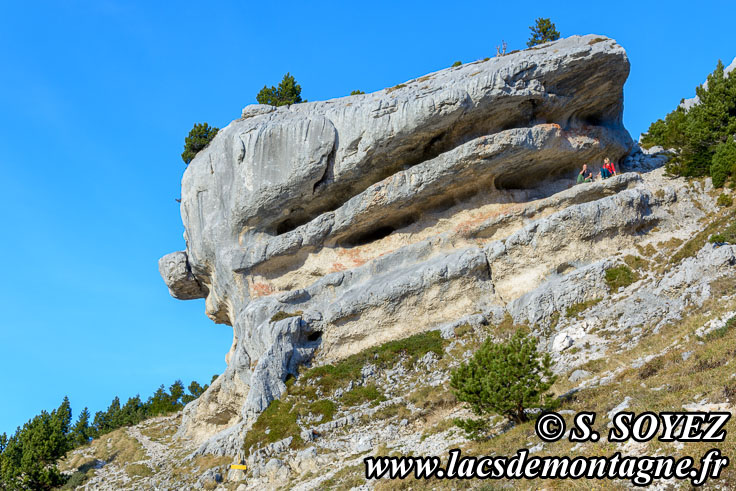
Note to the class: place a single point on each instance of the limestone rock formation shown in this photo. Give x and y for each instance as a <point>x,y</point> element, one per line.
<point>320,229</point>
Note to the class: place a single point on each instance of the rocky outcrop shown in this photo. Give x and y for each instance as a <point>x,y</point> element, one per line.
<point>333,226</point>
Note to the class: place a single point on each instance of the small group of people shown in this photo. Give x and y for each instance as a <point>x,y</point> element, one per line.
<point>607,170</point>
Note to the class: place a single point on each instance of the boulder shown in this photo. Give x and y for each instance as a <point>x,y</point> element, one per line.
<point>346,223</point>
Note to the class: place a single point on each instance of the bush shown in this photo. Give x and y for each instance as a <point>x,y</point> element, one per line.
<point>357,92</point>
<point>620,277</point>
<point>457,63</point>
<point>724,200</point>
<point>505,378</point>
<point>288,92</point>
<point>723,163</point>
<point>199,137</point>
<point>543,31</point>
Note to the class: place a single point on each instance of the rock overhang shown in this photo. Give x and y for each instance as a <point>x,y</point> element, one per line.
<point>280,191</point>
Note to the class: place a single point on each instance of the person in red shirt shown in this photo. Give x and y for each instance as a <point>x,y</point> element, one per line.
<point>609,166</point>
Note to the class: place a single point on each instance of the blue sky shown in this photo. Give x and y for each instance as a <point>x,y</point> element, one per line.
<point>97,96</point>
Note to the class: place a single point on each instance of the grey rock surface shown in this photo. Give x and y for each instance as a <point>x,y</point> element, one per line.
<point>174,269</point>
<point>347,223</point>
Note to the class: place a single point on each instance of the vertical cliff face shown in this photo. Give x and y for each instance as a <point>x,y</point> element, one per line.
<point>320,229</point>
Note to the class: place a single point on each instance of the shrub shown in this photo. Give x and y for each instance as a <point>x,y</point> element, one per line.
<point>505,378</point>
<point>723,162</point>
<point>724,200</point>
<point>457,63</point>
<point>620,277</point>
<point>288,92</point>
<point>357,92</point>
<point>542,31</point>
<point>199,137</point>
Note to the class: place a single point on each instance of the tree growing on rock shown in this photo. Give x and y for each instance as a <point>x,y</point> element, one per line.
<point>199,137</point>
<point>288,92</point>
<point>543,31</point>
<point>504,378</point>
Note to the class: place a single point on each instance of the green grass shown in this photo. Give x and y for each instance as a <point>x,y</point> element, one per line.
<point>333,376</point>
<point>727,235</point>
<point>462,330</point>
<point>277,422</point>
<point>636,262</point>
<point>691,247</point>
<point>395,87</point>
<point>620,277</point>
<point>281,315</point>
<point>576,309</point>
<point>138,470</point>
<point>324,407</point>
<point>721,331</point>
<point>361,394</point>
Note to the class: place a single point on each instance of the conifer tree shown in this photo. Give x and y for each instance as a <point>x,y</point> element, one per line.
<point>29,456</point>
<point>81,431</point>
<point>505,378</point>
<point>703,135</point>
<point>288,92</point>
<point>199,137</point>
<point>543,31</point>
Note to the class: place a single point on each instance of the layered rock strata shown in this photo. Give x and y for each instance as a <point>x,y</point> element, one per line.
<point>320,229</point>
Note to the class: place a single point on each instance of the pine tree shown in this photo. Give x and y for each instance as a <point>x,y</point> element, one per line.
<point>81,431</point>
<point>29,456</point>
<point>159,403</point>
<point>176,391</point>
<point>542,31</point>
<point>133,412</point>
<point>699,133</point>
<point>505,378</point>
<point>195,390</point>
<point>199,137</point>
<point>288,92</point>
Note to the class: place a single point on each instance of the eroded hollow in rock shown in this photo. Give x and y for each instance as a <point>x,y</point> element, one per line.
<point>314,336</point>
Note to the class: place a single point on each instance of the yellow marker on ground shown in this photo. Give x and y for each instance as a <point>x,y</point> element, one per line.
<point>239,467</point>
